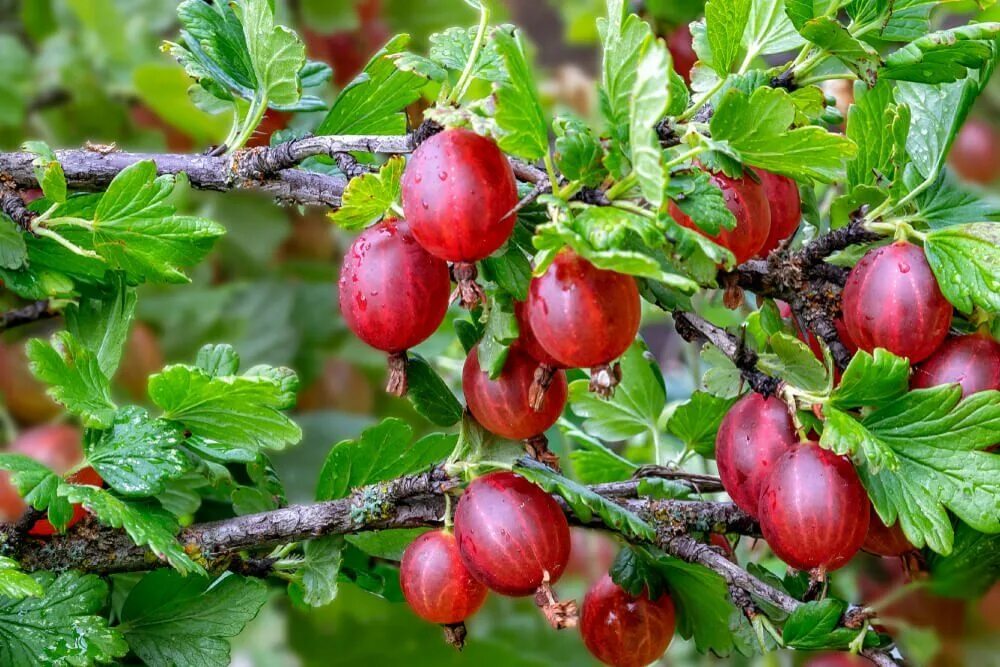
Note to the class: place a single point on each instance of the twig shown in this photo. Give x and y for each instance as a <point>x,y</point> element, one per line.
<point>33,312</point>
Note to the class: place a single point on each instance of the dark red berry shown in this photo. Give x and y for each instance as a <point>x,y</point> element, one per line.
<point>885,540</point>
<point>682,50</point>
<point>502,405</point>
<point>746,200</point>
<point>458,192</point>
<point>972,361</point>
<point>623,630</point>
<point>975,155</point>
<point>435,583</point>
<point>512,536</point>
<point>786,208</point>
<point>813,509</point>
<point>393,293</point>
<point>753,435</point>
<point>837,660</point>
<point>582,315</point>
<point>892,300</point>
<point>526,337</point>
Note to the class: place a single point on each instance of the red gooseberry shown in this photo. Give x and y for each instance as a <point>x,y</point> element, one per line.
<point>892,300</point>
<point>583,316</point>
<point>512,536</point>
<point>435,583</point>
<point>502,405</point>
<point>786,208</point>
<point>885,540</point>
<point>813,509</point>
<point>679,43</point>
<point>393,293</point>
<point>753,435</point>
<point>746,200</point>
<point>623,630</point>
<point>458,194</point>
<point>58,447</point>
<point>837,660</point>
<point>23,394</point>
<point>972,361</point>
<point>975,155</point>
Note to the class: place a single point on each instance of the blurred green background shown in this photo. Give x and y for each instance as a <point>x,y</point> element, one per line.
<point>73,71</point>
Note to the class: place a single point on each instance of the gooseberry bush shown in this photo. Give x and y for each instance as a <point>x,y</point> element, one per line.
<point>849,399</point>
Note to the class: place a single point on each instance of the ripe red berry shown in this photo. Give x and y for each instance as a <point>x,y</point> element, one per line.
<point>813,509</point>
<point>837,660</point>
<point>972,361</point>
<point>975,155</point>
<point>526,337</point>
<point>502,405</point>
<point>885,540</point>
<point>393,293</point>
<point>892,300</point>
<point>512,535</point>
<point>458,191</point>
<point>682,50</point>
<point>753,435</point>
<point>581,315</point>
<point>57,447</point>
<point>786,208</point>
<point>435,583</point>
<point>623,630</point>
<point>746,200</point>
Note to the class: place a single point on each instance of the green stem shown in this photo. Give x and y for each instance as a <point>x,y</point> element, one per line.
<point>255,114</point>
<point>685,156</point>
<point>622,186</point>
<point>634,208</point>
<point>813,80</point>
<point>700,102</point>
<point>466,77</point>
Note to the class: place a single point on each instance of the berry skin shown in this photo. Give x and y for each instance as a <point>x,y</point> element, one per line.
<point>435,583</point>
<point>502,405</point>
<point>512,535</point>
<point>813,509</point>
<point>393,293</point>
<point>682,51</point>
<point>23,394</point>
<point>622,630</point>
<point>581,315</point>
<point>975,155</point>
<point>753,435</point>
<point>786,208</point>
<point>972,361</point>
<point>57,447</point>
<point>892,300</point>
<point>746,200</point>
<point>885,540</point>
<point>458,190</point>
<point>526,337</point>
<point>837,660</point>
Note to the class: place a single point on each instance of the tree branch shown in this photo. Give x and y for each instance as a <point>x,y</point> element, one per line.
<point>33,312</point>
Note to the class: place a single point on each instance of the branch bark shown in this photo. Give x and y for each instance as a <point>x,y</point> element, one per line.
<point>33,312</point>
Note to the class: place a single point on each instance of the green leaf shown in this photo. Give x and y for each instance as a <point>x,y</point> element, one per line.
<point>64,625</point>
<point>321,569</point>
<point>879,128</point>
<point>230,412</point>
<point>48,171</point>
<point>510,270</point>
<point>966,262</point>
<point>696,421</point>
<point>370,197</point>
<point>382,452</point>
<point>585,503</point>
<point>794,362</point>
<point>518,110</point>
<point>637,402</point>
<point>429,394</point>
<point>648,103</point>
<point>75,376</point>
<point>701,199</point>
<point>937,111</point>
<point>173,620</point>
<point>578,155</point>
<point>147,525</point>
<point>13,251</point>
<point>946,202</point>
<point>943,56</point>
<point>276,52</point>
<point>38,486</point>
<point>758,127</point>
<point>499,333</point>
<point>725,23</point>
<point>101,323</point>
<point>636,570</point>
<point>970,570</point>
<point>374,102</point>
<point>871,379</point>
<point>830,35</point>
<point>16,585</point>
<point>452,48</point>
<point>218,360</point>
<point>936,439</point>
<point>387,544</point>
<point>593,463</point>
<point>814,625</point>
<point>137,455</point>
<point>769,29</point>
<point>622,36</point>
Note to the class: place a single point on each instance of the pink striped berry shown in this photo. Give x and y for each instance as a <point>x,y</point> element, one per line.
<point>435,583</point>
<point>622,630</point>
